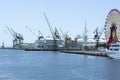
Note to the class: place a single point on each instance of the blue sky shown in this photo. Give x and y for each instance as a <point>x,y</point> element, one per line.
<point>69,15</point>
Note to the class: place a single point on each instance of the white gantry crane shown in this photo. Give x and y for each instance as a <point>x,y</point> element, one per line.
<point>17,38</point>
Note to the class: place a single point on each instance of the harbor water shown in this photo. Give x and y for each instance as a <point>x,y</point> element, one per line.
<point>50,65</point>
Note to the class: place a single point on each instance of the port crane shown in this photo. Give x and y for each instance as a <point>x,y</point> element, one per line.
<point>55,33</point>
<point>18,38</point>
<point>63,34</point>
<point>40,34</point>
<point>97,35</point>
<point>66,38</point>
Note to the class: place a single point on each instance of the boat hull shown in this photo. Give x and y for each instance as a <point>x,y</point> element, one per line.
<point>114,55</point>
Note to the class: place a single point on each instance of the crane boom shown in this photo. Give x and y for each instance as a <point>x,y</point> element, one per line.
<point>47,19</point>
<point>6,33</point>
<point>51,30</point>
<point>31,31</point>
<point>40,33</point>
<point>14,33</point>
<point>11,32</point>
<point>61,32</point>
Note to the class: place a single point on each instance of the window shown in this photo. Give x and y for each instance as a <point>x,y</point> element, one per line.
<point>116,49</point>
<point>111,49</point>
<point>115,45</point>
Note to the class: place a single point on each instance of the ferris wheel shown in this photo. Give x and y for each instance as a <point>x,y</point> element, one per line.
<point>112,17</point>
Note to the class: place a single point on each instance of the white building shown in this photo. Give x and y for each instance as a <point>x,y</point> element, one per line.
<point>79,43</point>
<point>48,43</point>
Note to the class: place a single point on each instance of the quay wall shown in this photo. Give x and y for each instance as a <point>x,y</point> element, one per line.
<point>93,53</point>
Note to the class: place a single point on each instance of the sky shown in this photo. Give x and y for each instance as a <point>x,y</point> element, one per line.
<point>69,15</point>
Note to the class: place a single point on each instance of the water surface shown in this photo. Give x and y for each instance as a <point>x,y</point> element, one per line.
<point>49,65</point>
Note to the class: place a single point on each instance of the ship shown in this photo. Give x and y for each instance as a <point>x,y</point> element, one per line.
<point>114,50</point>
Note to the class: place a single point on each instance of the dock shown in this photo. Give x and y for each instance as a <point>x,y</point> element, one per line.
<point>93,53</point>
<point>41,49</point>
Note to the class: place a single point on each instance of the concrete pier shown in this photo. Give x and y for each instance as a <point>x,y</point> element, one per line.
<point>93,53</point>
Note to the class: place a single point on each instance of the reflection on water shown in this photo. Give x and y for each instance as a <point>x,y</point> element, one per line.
<point>4,77</point>
<point>48,65</point>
